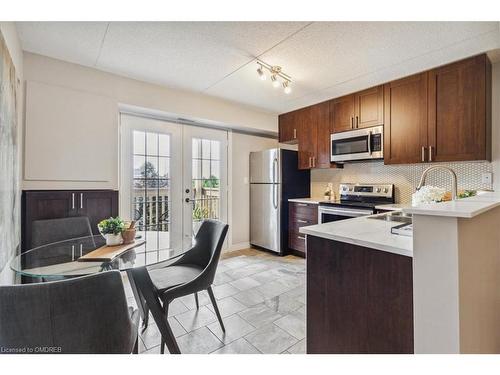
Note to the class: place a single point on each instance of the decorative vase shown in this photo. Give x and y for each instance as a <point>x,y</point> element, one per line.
<point>128,236</point>
<point>113,239</point>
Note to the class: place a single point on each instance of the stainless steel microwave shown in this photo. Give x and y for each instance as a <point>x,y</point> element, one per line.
<point>359,144</point>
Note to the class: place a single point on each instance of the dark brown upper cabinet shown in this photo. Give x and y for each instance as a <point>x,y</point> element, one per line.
<point>287,128</point>
<point>440,115</point>
<point>321,114</point>
<point>360,110</point>
<point>342,115</point>
<point>369,107</point>
<point>459,113</point>
<point>307,134</point>
<point>314,129</point>
<point>405,125</point>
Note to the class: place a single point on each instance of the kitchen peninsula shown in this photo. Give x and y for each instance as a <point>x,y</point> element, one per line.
<point>369,291</point>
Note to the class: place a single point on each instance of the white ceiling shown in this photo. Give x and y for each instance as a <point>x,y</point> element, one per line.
<point>324,59</point>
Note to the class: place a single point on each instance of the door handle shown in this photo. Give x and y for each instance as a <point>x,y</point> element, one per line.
<point>369,140</point>
<point>430,153</point>
<point>81,200</point>
<point>187,200</point>
<point>423,153</point>
<point>275,168</point>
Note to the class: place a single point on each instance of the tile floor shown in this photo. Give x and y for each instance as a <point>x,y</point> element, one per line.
<point>261,298</point>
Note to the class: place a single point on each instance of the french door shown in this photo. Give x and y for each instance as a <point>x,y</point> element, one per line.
<point>173,177</point>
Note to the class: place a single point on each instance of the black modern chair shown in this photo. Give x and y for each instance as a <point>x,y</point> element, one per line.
<point>81,315</point>
<point>193,272</point>
<point>55,230</point>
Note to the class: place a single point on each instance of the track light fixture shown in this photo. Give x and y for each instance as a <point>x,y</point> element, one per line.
<point>278,77</point>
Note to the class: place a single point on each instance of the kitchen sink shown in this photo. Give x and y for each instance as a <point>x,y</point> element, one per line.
<point>396,216</point>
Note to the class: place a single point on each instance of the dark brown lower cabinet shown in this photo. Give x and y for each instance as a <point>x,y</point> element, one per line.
<point>54,204</point>
<point>300,215</point>
<point>359,300</point>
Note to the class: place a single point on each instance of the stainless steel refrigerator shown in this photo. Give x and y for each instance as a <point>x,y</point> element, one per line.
<point>274,178</point>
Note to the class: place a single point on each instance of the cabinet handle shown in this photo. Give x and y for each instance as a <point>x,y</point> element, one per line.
<point>301,221</point>
<point>81,250</point>
<point>352,122</point>
<point>301,237</point>
<point>73,253</point>
<point>357,122</point>
<point>310,162</point>
<point>72,201</point>
<point>81,200</point>
<point>430,153</point>
<point>314,161</point>
<point>423,153</point>
<point>294,133</point>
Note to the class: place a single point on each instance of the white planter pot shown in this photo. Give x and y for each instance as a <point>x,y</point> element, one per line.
<point>113,239</point>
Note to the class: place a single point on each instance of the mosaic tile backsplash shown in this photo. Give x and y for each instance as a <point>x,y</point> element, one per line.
<point>404,177</point>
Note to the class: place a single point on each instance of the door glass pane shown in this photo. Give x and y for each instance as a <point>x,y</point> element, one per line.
<point>151,188</point>
<point>206,190</point>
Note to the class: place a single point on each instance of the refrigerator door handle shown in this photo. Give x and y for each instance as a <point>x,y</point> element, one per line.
<point>275,168</point>
<point>275,196</point>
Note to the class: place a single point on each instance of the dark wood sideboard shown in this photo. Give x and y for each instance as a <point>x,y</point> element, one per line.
<point>54,204</point>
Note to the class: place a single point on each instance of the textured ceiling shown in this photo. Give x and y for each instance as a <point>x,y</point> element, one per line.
<point>324,59</point>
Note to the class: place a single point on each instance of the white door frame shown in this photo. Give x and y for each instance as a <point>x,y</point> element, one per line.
<point>180,151</point>
<point>190,132</point>
<point>126,167</point>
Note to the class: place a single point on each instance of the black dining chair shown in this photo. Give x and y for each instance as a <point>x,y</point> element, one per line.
<point>86,314</point>
<point>55,230</point>
<point>193,272</point>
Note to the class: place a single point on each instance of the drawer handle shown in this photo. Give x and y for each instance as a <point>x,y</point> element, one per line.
<point>301,221</point>
<point>301,237</point>
<point>302,204</point>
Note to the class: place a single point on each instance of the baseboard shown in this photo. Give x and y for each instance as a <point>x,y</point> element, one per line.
<point>238,246</point>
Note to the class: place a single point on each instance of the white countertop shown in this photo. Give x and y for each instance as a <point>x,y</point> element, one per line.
<point>362,231</point>
<point>393,206</point>
<point>464,208</point>
<point>306,200</point>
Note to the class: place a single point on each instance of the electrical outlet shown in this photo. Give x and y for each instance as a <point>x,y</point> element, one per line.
<point>487,178</point>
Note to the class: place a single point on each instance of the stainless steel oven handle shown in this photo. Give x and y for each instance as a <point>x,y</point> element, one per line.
<point>344,212</point>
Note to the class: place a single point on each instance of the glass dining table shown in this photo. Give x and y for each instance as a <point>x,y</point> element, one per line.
<point>60,260</point>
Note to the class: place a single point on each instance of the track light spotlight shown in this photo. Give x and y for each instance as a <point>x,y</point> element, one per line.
<point>261,73</point>
<point>286,87</point>
<point>275,81</point>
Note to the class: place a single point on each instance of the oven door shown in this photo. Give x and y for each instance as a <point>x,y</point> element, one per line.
<point>329,214</point>
<point>360,144</point>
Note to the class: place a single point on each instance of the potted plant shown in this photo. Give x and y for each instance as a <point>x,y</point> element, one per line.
<point>111,229</point>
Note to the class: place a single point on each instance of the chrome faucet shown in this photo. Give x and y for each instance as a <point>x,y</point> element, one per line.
<point>449,170</point>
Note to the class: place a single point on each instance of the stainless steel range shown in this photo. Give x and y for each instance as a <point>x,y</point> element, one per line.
<point>355,200</point>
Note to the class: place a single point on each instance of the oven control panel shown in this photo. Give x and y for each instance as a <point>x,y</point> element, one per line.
<point>367,190</point>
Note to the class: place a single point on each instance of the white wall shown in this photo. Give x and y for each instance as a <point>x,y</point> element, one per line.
<point>65,82</point>
<point>241,146</point>
<point>8,30</point>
